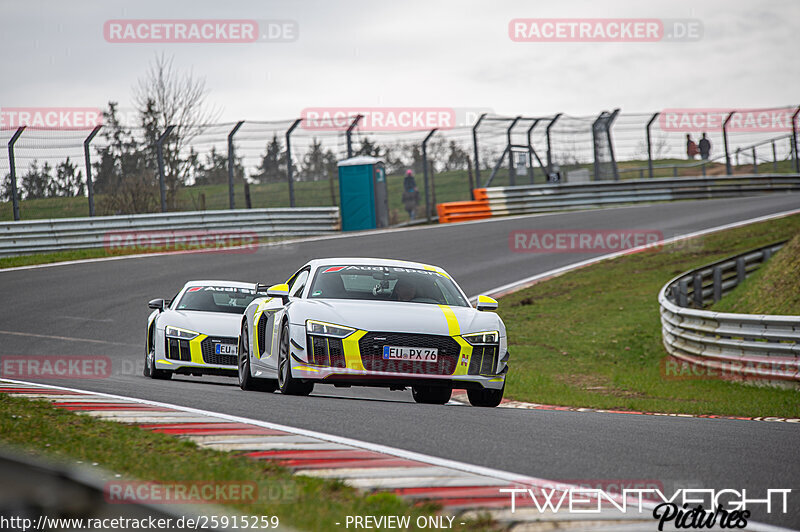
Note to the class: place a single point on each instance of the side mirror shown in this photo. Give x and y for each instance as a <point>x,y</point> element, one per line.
<point>261,288</point>
<point>486,303</point>
<point>279,290</point>
<point>157,304</point>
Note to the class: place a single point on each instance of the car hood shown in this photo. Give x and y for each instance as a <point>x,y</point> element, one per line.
<point>210,323</point>
<point>393,316</point>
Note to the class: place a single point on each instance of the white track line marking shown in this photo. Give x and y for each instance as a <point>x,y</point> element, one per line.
<point>66,338</point>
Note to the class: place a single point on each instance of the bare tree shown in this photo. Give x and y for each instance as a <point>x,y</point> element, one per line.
<point>166,96</point>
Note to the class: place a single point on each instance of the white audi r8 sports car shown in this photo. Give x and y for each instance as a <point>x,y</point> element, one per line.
<point>195,333</point>
<point>373,322</point>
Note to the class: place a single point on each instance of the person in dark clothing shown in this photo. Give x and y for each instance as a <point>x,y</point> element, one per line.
<point>410,194</point>
<point>705,147</point>
<point>691,147</point>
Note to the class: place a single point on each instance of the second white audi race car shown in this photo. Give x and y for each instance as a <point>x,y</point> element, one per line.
<point>196,332</point>
<point>373,322</point>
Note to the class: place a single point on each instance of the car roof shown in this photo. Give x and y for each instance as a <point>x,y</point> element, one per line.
<point>356,261</point>
<point>232,284</point>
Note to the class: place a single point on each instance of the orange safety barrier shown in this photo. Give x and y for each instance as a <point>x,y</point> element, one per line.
<point>462,211</point>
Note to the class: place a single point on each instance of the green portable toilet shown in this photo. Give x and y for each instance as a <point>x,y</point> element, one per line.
<point>363,198</point>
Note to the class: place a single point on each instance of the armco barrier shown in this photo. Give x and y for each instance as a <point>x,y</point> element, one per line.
<point>36,236</point>
<point>742,346</point>
<point>554,197</point>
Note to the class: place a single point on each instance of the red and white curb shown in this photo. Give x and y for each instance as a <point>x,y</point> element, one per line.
<point>461,489</point>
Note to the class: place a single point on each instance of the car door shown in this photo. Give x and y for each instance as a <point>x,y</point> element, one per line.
<point>268,332</point>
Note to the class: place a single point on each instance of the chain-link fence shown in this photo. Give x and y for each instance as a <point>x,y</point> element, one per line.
<point>116,169</point>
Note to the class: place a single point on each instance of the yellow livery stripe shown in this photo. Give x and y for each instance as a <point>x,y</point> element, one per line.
<point>452,322</point>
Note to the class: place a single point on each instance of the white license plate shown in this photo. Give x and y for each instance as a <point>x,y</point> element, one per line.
<point>417,354</point>
<point>225,349</point>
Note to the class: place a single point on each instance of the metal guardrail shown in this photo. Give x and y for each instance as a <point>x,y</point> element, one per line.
<point>553,197</point>
<point>752,346</point>
<point>37,236</point>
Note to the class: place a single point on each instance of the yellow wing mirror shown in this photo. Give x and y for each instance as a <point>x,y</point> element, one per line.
<point>486,303</point>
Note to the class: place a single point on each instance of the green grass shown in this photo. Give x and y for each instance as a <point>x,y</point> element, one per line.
<point>772,289</point>
<point>302,502</point>
<point>592,337</point>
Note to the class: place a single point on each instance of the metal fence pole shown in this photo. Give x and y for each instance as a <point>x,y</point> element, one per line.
<point>12,167</point>
<point>755,161</point>
<point>160,153</point>
<point>88,162</point>
<point>794,141</point>
<point>549,145</point>
<point>728,169</point>
<point>425,173</point>
<point>532,152</point>
<point>512,180</point>
<point>609,123</point>
<point>475,147</point>
<point>349,135</point>
<point>650,146</point>
<point>289,164</point>
<point>774,158</point>
<point>596,155</point>
<point>231,163</point>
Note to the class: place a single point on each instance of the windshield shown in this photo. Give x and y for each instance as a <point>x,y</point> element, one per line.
<point>382,283</point>
<point>216,299</point>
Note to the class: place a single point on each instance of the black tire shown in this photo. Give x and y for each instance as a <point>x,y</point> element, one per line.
<point>431,395</point>
<point>150,369</point>
<point>246,380</point>
<point>486,398</point>
<point>286,382</point>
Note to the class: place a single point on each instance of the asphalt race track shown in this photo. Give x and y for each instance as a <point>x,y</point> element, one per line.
<point>99,308</point>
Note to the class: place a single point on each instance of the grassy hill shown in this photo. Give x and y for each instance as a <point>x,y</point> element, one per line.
<point>772,289</point>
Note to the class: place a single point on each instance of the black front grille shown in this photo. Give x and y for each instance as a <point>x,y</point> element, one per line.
<point>177,349</point>
<point>210,357</point>
<point>483,360</point>
<point>326,351</point>
<point>371,346</point>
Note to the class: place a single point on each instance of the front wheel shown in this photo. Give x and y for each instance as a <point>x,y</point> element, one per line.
<point>246,380</point>
<point>486,397</point>
<point>286,382</point>
<point>150,369</point>
<point>431,395</point>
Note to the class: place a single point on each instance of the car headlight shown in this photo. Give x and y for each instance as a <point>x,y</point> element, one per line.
<point>320,328</point>
<point>482,338</point>
<point>183,334</point>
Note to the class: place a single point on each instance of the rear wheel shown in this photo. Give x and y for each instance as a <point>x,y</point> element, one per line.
<point>150,369</point>
<point>431,395</point>
<point>246,380</point>
<point>486,397</point>
<point>288,384</point>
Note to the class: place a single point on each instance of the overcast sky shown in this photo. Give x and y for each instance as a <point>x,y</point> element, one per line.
<point>410,53</point>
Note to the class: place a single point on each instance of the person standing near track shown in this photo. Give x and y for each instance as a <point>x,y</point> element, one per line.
<point>705,147</point>
<point>410,194</point>
<point>691,147</point>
